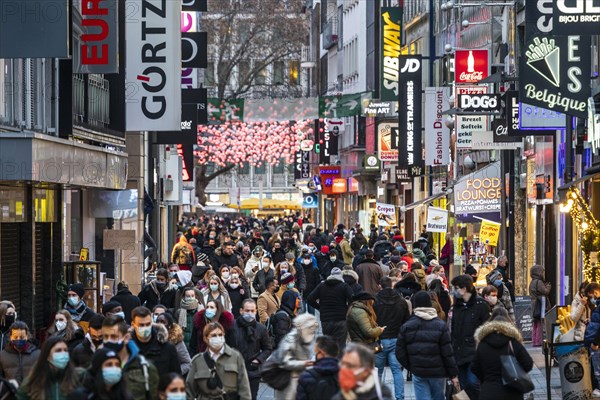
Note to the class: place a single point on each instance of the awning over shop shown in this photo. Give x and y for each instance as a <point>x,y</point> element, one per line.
<point>267,204</point>
<point>34,157</point>
<point>408,207</point>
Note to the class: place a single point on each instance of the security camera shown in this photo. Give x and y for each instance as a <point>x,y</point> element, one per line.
<point>469,163</point>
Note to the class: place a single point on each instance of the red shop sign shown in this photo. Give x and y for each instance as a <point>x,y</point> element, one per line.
<point>470,66</point>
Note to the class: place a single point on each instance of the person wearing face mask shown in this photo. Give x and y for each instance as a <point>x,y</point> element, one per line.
<point>297,269</point>
<point>112,308</point>
<point>238,273</point>
<point>490,295</point>
<point>237,295</point>
<point>19,355</point>
<point>268,302</point>
<point>581,311</point>
<point>52,374</point>
<point>168,330</point>
<point>357,377</point>
<point>495,278</point>
<point>7,318</point>
<point>171,387</point>
<point>320,381</point>
<point>219,372</point>
<point>288,282</point>
<point>266,271</point>
<point>253,265</point>
<point>185,284</point>
<point>158,291</point>
<point>281,321</point>
<point>185,314</point>
<point>470,311</point>
<point>126,299</point>
<point>214,312</point>
<point>80,312</point>
<point>160,352</point>
<point>140,375</point>
<point>104,380</point>
<point>216,291</point>
<point>539,290</point>
<point>252,340</point>
<point>82,354</point>
<point>334,261</point>
<point>224,274</point>
<point>65,328</point>
<point>225,255</point>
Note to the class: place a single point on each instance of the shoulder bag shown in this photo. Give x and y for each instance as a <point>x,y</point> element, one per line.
<point>513,374</point>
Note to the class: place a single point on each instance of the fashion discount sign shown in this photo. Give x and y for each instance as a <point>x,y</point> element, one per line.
<point>153,67</point>
<point>437,135</point>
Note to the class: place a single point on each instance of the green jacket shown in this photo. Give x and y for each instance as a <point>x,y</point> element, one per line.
<point>231,369</point>
<point>53,391</point>
<point>137,371</point>
<point>359,326</point>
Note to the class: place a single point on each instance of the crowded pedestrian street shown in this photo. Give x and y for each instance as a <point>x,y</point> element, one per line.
<point>299,199</point>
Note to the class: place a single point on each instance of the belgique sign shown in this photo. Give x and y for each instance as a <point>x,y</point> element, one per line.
<point>556,73</point>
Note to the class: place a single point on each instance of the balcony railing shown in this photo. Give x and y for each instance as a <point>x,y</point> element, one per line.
<point>330,34</point>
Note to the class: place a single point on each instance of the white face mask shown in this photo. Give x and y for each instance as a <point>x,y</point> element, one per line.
<point>60,325</point>
<point>492,300</point>
<point>217,343</point>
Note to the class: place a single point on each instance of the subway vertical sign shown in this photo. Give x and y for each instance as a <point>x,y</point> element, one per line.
<point>391,41</point>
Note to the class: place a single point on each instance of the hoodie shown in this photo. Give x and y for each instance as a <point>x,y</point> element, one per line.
<point>424,346</point>
<point>392,311</point>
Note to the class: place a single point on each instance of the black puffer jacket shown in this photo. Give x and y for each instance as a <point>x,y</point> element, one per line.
<point>162,353</point>
<point>424,346</point>
<point>493,338</point>
<point>253,341</point>
<point>312,276</point>
<point>128,301</point>
<point>282,319</point>
<point>392,311</point>
<point>332,299</point>
<point>466,318</point>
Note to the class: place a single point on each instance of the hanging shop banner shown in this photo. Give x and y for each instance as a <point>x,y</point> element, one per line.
<point>489,233</point>
<point>376,108</point>
<point>153,66</point>
<point>194,5</point>
<point>98,44</point>
<point>386,214</point>
<point>371,162</point>
<point>470,66</point>
<point>437,220</point>
<point>538,18</point>
<point>575,17</point>
<point>328,133</point>
<point>410,151</point>
<point>328,174</point>
<point>387,136</point>
<point>340,185</point>
<point>390,42</point>
<point>188,134</point>
<point>500,131</point>
<point>302,165</point>
<point>193,49</point>
<point>479,192</point>
<point>35,29</point>
<point>186,151</point>
<point>480,102</point>
<point>467,125</point>
<point>310,200</point>
<point>347,105</point>
<point>556,73</point>
<point>437,134</point>
<point>484,140</point>
<point>526,120</point>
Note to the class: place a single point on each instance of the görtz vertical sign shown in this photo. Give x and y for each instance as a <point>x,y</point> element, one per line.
<point>153,65</point>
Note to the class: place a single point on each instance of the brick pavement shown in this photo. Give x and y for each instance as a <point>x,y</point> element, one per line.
<point>537,374</point>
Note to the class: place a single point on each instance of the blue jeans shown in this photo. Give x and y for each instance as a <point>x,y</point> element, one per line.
<point>389,354</point>
<point>307,307</point>
<point>468,381</point>
<point>595,356</point>
<point>429,388</point>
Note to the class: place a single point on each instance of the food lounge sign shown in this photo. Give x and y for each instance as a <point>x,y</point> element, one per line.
<point>479,192</point>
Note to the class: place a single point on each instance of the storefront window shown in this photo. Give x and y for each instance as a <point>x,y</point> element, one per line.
<point>13,205</point>
<point>44,201</point>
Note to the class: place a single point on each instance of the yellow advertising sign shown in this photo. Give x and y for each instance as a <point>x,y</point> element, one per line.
<point>489,233</point>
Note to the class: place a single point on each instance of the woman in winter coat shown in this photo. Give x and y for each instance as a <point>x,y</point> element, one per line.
<point>581,311</point>
<point>52,376</point>
<point>282,319</point>
<point>237,294</point>
<point>538,290</point>
<point>65,328</point>
<point>494,339</point>
<point>443,297</point>
<point>216,291</point>
<point>169,331</point>
<point>417,269</point>
<point>214,312</point>
<point>185,314</point>
<point>362,321</point>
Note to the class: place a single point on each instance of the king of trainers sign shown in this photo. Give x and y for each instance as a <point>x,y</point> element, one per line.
<point>555,73</point>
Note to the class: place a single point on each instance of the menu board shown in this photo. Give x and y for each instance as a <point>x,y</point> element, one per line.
<point>523,316</point>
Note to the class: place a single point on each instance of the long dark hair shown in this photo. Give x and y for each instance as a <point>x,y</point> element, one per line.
<point>38,379</point>
<point>117,392</point>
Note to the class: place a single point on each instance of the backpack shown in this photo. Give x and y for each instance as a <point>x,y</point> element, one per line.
<point>273,374</point>
<point>185,255</point>
<point>325,387</point>
<point>271,324</point>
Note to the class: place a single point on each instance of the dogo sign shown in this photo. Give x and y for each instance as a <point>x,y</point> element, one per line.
<point>479,102</point>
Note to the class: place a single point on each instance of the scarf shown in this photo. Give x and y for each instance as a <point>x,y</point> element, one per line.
<point>186,306</point>
<point>364,387</point>
<point>249,328</point>
<point>77,312</point>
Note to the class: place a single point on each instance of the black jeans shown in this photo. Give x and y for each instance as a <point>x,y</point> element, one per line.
<point>254,384</point>
<point>338,331</point>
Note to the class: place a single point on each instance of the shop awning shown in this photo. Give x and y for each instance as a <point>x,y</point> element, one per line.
<point>408,207</point>
<point>267,204</point>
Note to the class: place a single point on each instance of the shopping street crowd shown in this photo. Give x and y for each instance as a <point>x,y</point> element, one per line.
<point>240,302</point>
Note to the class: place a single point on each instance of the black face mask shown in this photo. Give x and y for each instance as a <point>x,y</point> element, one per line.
<point>114,346</point>
<point>9,320</point>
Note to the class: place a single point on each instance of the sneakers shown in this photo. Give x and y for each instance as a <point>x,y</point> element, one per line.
<point>596,393</point>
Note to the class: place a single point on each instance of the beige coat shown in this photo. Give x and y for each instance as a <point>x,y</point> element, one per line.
<point>347,252</point>
<point>267,305</point>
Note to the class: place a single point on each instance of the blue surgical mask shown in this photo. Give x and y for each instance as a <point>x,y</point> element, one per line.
<point>176,396</point>
<point>73,300</point>
<point>120,314</point>
<point>214,287</point>
<point>111,375</point>
<point>210,313</point>
<point>172,274</point>
<point>249,317</point>
<point>291,285</point>
<point>60,359</point>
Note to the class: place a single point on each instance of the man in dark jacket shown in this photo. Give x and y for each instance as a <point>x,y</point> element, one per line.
<point>369,273</point>
<point>322,257</point>
<point>225,255</point>
<point>126,299</point>
<point>392,311</point>
<point>163,355</point>
<point>332,298</point>
<point>424,348</point>
<point>299,276</point>
<point>312,278</point>
<point>469,312</point>
<point>333,262</point>
<point>358,241</point>
<point>320,381</point>
<point>253,341</point>
<point>82,354</point>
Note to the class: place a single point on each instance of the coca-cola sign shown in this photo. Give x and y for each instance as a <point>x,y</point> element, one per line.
<point>470,66</point>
